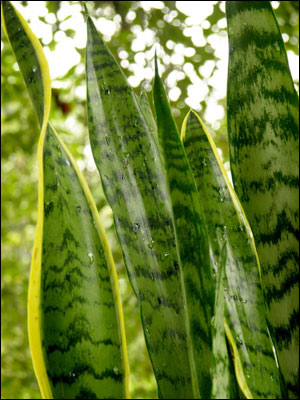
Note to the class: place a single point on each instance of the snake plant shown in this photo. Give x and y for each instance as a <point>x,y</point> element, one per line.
<point>219,314</point>
<point>263,129</point>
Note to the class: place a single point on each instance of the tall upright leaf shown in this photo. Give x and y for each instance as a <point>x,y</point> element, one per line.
<point>196,276</point>
<point>263,128</point>
<point>80,306</point>
<point>127,157</point>
<point>76,327</point>
<point>246,325</point>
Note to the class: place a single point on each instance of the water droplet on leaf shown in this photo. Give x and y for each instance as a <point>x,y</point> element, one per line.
<point>151,244</point>
<point>91,258</point>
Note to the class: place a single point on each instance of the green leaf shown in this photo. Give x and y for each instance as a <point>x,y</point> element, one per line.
<point>246,326</point>
<point>75,320</point>
<point>80,329</point>
<point>224,384</point>
<point>263,128</point>
<point>30,57</point>
<point>147,111</point>
<point>192,243</point>
<point>220,362</point>
<point>133,178</point>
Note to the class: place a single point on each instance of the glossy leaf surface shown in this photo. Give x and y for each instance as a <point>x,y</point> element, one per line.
<point>130,165</point>
<point>192,241</point>
<point>255,366</point>
<point>75,321</point>
<point>263,128</point>
<point>81,338</point>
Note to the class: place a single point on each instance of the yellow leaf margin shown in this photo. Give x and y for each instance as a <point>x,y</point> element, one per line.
<point>34,327</point>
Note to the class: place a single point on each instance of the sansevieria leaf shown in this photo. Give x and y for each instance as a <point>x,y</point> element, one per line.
<point>76,328</point>
<point>80,305</point>
<point>131,168</point>
<point>147,111</point>
<point>223,381</point>
<point>191,234</point>
<point>246,326</point>
<point>263,128</point>
<point>30,57</point>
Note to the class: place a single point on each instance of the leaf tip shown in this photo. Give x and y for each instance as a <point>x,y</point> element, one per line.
<point>86,11</point>
<point>155,62</point>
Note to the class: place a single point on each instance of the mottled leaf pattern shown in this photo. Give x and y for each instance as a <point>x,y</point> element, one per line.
<point>192,241</point>
<point>130,165</point>
<point>263,128</point>
<point>81,340</point>
<point>244,303</point>
<point>75,321</point>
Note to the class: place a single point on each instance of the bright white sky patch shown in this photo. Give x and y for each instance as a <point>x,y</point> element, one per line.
<point>294,65</point>
<point>147,5</point>
<point>62,58</point>
<point>198,11</point>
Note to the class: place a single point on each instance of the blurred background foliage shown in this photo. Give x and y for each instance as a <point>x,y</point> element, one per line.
<point>192,51</point>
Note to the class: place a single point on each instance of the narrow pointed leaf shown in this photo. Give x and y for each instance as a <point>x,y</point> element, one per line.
<point>147,111</point>
<point>192,240</point>
<point>254,361</point>
<point>130,165</point>
<point>30,57</point>
<point>75,321</point>
<point>263,128</point>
